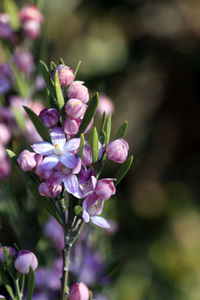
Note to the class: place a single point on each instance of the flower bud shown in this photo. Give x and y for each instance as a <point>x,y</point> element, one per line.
<point>105,104</point>
<point>12,251</point>
<point>78,91</point>
<point>105,188</point>
<point>50,117</point>
<point>25,259</point>
<point>75,108</point>
<point>24,61</point>
<point>117,150</point>
<point>65,75</point>
<point>5,134</point>
<point>46,189</point>
<point>79,291</point>
<point>4,163</point>
<point>30,13</point>
<point>27,160</point>
<point>31,30</point>
<point>71,126</point>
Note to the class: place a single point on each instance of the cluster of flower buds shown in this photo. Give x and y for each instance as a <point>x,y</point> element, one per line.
<point>22,260</point>
<point>58,161</point>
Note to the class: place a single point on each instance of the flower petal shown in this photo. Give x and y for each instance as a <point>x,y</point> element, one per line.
<point>99,221</point>
<point>58,137</point>
<point>69,160</point>
<point>44,148</point>
<point>71,185</point>
<point>85,216</point>
<point>77,168</point>
<point>49,162</point>
<point>72,145</point>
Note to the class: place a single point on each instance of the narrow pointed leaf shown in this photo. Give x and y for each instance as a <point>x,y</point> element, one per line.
<point>30,283</point>
<point>20,83</point>
<point>39,125</point>
<point>19,118</point>
<point>89,114</point>
<point>81,147</point>
<point>59,93</point>
<point>103,121</point>
<point>95,146</point>
<point>47,78</point>
<point>12,156</point>
<point>3,276</point>
<point>123,170</point>
<point>45,202</point>
<point>52,66</point>
<point>9,263</point>
<point>61,61</point>
<point>108,128</point>
<point>10,291</point>
<point>77,68</point>
<point>121,131</point>
<point>11,9</point>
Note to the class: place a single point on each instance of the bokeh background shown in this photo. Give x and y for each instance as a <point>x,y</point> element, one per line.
<point>145,55</point>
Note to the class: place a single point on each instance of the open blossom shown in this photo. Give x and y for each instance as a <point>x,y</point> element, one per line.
<point>117,150</point>
<point>25,259</point>
<point>79,291</point>
<point>47,189</point>
<point>65,75</point>
<point>78,91</point>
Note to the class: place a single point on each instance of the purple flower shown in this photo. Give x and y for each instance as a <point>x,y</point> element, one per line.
<point>31,30</point>
<point>27,160</point>
<point>24,260</point>
<point>40,171</point>
<point>71,126</point>
<point>5,168</point>
<point>117,150</point>
<point>12,251</point>
<point>65,75</point>
<point>5,134</point>
<point>54,231</point>
<point>30,13</point>
<point>78,91</point>
<point>105,188</point>
<point>24,61</point>
<point>50,117</point>
<point>79,291</point>
<point>47,189</point>
<point>6,31</point>
<point>59,151</point>
<point>5,85</point>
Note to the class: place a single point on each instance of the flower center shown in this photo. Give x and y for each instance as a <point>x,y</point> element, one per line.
<point>65,170</point>
<point>57,149</point>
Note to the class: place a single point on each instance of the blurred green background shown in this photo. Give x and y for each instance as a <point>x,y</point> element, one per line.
<point>145,55</point>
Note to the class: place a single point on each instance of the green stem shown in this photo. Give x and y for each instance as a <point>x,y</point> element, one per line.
<point>17,289</point>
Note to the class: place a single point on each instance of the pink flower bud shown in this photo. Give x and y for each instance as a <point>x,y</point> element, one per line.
<point>27,160</point>
<point>117,150</point>
<point>105,188</point>
<point>105,104</point>
<point>25,259</point>
<point>71,126</point>
<point>47,189</point>
<point>31,30</point>
<point>75,108</point>
<point>65,75</point>
<point>79,291</point>
<point>50,117</point>
<point>4,163</point>
<point>24,61</point>
<point>12,251</point>
<point>2,297</point>
<point>78,91</point>
<point>5,134</point>
<point>30,13</point>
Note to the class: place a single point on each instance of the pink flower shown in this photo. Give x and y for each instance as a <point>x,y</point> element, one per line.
<point>5,134</point>
<point>71,126</point>
<point>105,104</point>
<point>117,150</point>
<point>6,31</point>
<point>75,108</point>
<point>78,91</point>
<point>5,168</point>
<point>25,259</point>
<point>105,188</point>
<point>79,291</point>
<point>31,13</point>
<point>32,29</point>
<point>50,117</point>
<point>65,75</point>
<point>27,160</point>
<point>47,189</point>
<point>12,251</point>
<point>24,61</point>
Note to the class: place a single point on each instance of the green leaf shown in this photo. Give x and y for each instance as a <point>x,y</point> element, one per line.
<point>9,263</point>
<point>89,113</point>
<point>103,121</point>
<point>78,209</point>
<point>4,280</point>
<point>77,68</point>
<point>61,61</point>
<point>20,83</point>
<point>95,146</point>
<point>81,146</point>
<point>45,202</point>
<point>121,131</point>
<point>30,283</point>
<point>12,156</point>
<point>59,93</point>
<point>10,291</point>
<point>123,170</point>
<point>19,117</point>
<point>47,78</point>
<point>52,66</point>
<point>108,128</point>
<point>39,125</point>
<point>11,9</point>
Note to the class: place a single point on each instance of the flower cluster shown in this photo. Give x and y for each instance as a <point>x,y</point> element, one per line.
<point>58,162</point>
